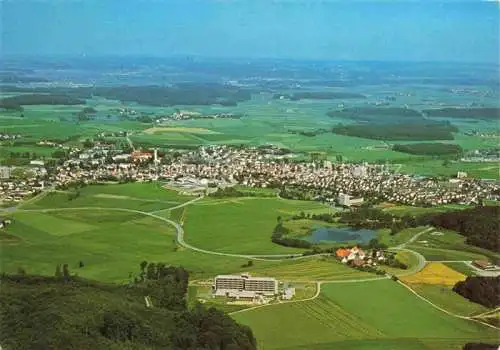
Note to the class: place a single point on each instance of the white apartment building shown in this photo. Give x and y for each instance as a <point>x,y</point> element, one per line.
<point>225,284</point>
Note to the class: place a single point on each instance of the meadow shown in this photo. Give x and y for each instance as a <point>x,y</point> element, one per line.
<point>344,317</point>
<point>445,297</point>
<point>136,196</point>
<point>242,225</point>
<point>449,245</point>
<point>112,243</point>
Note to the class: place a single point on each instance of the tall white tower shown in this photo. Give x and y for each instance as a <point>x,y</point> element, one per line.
<point>156,160</point>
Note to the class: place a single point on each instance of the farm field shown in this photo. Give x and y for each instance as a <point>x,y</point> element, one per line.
<point>384,235</point>
<point>136,196</point>
<point>440,254</point>
<point>112,243</point>
<point>435,273</point>
<point>343,316</point>
<point>442,244</point>
<point>445,297</point>
<point>242,225</point>
<point>462,268</point>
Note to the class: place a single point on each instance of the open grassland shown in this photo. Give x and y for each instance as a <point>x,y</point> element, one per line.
<point>384,235</point>
<point>410,210</point>
<point>112,243</point>
<point>451,244</point>
<point>461,267</point>
<point>136,196</point>
<point>435,273</point>
<point>311,269</point>
<point>445,297</point>
<point>440,254</point>
<point>344,317</point>
<point>240,225</point>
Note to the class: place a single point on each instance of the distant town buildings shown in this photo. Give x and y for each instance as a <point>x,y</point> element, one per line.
<point>5,172</point>
<point>347,200</point>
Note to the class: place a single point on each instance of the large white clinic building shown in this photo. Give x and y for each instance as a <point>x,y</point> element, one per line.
<point>244,285</point>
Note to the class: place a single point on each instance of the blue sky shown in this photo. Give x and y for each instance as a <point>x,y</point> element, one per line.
<point>425,30</point>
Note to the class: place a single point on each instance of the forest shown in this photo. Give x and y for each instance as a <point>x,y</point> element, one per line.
<point>429,149</point>
<point>155,95</point>
<point>480,225</point>
<point>16,102</point>
<point>68,312</point>
<point>398,131</point>
<point>486,113</point>
<point>376,114</point>
<point>481,290</point>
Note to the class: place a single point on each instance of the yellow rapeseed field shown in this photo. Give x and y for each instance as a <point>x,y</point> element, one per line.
<point>435,273</point>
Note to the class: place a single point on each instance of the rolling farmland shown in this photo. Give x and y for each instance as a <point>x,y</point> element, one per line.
<point>240,225</point>
<point>343,315</point>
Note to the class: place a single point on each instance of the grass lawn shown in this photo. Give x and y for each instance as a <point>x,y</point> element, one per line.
<point>112,243</point>
<point>451,240</point>
<point>311,269</point>
<point>242,225</point>
<point>446,298</point>
<point>438,254</point>
<point>462,268</point>
<point>344,317</point>
<point>138,196</point>
<point>384,235</point>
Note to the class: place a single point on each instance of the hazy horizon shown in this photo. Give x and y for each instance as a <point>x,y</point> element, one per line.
<point>446,31</point>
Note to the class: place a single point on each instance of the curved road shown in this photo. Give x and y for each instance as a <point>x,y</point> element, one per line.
<point>263,257</point>
<point>280,257</point>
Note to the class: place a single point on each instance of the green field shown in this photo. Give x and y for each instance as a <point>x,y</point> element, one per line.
<point>462,268</point>
<point>444,297</point>
<point>242,225</point>
<point>344,317</point>
<point>445,243</point>
<point>136,196</point>
<point>111,243</point>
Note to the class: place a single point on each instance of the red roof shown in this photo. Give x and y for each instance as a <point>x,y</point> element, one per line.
<point>342,253</point>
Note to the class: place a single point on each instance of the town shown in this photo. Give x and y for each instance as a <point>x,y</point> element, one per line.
<point>268,167</point>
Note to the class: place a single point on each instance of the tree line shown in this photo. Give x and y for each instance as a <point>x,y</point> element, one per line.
<point>66,311</point>
<point>480,225</point>
<point>430,149</point>
<point>481,290</point>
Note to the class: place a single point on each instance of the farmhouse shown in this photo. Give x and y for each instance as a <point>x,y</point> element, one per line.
<point>484,265</point>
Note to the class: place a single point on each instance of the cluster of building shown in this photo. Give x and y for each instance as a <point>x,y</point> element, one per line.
<point>15,190</point>
<point>182,115</point>
<point>5,136</point>
<point>250,167</point>
<point>349,184</point>
<point>483,155</point>
<point>247,289</point>
<point>355,256</point>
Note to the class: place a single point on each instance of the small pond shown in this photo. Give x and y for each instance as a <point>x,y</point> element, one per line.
<point>340,234</point>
